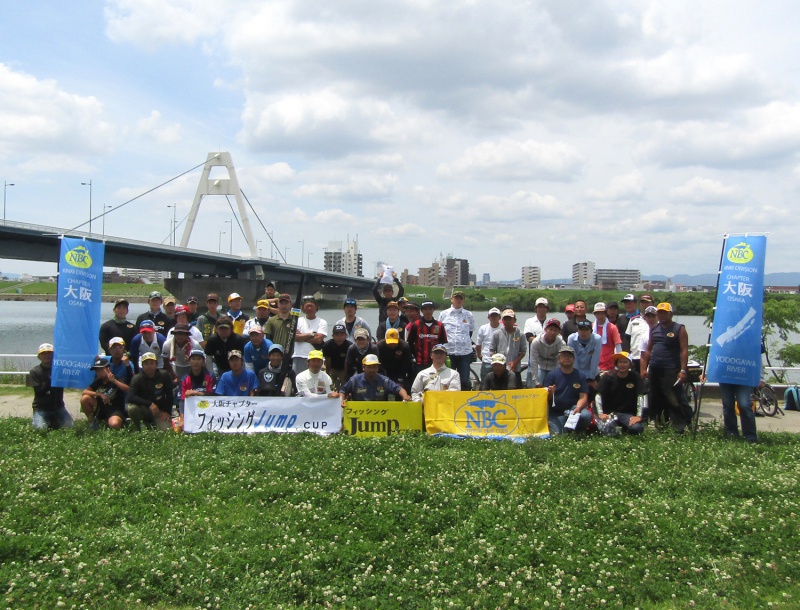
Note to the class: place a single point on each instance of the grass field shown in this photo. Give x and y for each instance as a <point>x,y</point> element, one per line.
<point>111,520</point>
<point>49,288</point>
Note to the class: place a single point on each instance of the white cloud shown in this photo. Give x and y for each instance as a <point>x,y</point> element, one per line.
<point>153,128</point>
<point>280,172</point>
<point>513,160</point>
<point>40,118</point>
<point>621,188</point>
<point>148,23</point>
<point>407,228</point>
<point>700,190</point>
<point>358,187</point>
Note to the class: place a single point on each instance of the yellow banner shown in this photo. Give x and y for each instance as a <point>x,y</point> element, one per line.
<point>381,418</point>
<point>513,414</point>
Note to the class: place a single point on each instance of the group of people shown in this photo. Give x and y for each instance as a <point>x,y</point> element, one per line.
<point>594,370</point>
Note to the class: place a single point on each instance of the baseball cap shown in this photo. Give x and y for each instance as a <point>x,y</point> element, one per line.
<point>509,313</point>
<point>361,332</point>
<point>498,359</point>
<point>309,298</point>
<point>154,295</point>
<point>599,306</point>
<point>370,359</point>
<point>262,303</point>
<point>270,283</point>
<point>612,305</point>
<point>541,301</point>
<point>315,354</point>
<point>233,296</point>
<point>392,336</point>
<point>180,309</point>
<point>412,305</point>
<point>427,304</point>
<point>620,355</point>
<point>647,298</point>
<point>149,356</point>
<point>256,328</point>
<point>392,304</point>
<point>439,347</point>
<point>100,363</point>
<point>116,341</point>
<point>629,297</point>
<point>276,347</point>
<point>191,300</point>
<point>352,302</point>
<point>566,349</point>
<point>553,322</point>
<point>570,307</point>
<point>212,296</point>
<point>197,352</point>
<point>494,310</point>
<point>234,353</point>
<point>664,307</point>
<point>584,324</point>
<point>402,301</point>
<point>284,297</point>
<point>168,300</point>
<point>458,293</point>
<point>339,328</point>
<point>224,321</point>
<point>181,328</point>
<point>147,325</point>
<point>45,347</point>
<point>650,309</point>
<point>119,302</point>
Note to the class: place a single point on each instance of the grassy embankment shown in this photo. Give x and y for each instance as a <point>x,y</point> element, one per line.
<point>109,520</point>
<point>109,290</point>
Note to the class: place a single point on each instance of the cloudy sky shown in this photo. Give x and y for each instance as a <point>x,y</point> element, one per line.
<point>630,133</point>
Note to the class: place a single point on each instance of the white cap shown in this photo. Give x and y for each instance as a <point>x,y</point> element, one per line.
<point>599,307</point>
<point>498,359</point>
<point>541,301</point>
<point>45,347</point>
<point>494,310</point>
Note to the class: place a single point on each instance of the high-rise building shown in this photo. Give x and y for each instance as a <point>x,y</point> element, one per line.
<point>487,278</point>
<point>531,277</point>
<point>348,262</point>
<point>583,273</point>
<point>448,271</point>
<point>618,279</point>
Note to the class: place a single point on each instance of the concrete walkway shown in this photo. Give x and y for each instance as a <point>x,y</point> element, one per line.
<point>19,405</point>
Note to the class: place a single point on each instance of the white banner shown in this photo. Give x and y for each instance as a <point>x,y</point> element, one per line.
<point>249,414</point>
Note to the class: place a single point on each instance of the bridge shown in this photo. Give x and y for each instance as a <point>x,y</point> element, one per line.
<point>203,271</point>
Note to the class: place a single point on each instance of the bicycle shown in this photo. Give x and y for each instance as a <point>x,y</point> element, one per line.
<point>765,399</point>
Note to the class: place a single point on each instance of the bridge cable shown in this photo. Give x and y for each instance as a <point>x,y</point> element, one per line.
<point>137,197</point>
<point>277,249</point>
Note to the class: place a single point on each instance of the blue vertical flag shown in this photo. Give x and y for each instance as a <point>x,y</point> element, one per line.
<point>80,291</point>
<point>735,354</point>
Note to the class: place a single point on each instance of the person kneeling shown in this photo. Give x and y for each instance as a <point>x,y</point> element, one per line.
<point>437,377</point>
<point>619,397</point>
<point>567,392</point>
<point>499,378</point>
<point>150,395</point>
<point>104,399</point>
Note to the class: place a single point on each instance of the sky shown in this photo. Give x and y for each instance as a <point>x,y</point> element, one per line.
<point>634,134</point>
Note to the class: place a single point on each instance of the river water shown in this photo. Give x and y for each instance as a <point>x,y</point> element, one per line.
<point>24,325</point>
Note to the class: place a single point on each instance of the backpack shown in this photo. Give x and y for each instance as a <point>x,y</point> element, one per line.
<point>792,398</point>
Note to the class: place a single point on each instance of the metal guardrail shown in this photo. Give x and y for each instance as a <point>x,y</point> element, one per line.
<point>17,356</point>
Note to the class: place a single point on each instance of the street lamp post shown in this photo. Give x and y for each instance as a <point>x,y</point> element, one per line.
<point>302,243</point>
<point>230,222</point>
<point>308,264</point>
<point>89,184</point>
<point>258,241</point>
<point>221,233</point>
<point>173,224</point>
<point>5,187</point>
<point>285,250</point>
<point>106,207</point>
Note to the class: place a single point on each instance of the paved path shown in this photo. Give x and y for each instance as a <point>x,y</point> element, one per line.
<point>710,410</point>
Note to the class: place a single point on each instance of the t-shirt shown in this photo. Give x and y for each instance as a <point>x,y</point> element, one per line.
<point>569,387</point>
<point>336,353</point>
<point>620,395</point>
<point>110,390</point>
<point>237,385</point>
<point>304,326</point>
<point>314,384</point>
<point>358,388</point>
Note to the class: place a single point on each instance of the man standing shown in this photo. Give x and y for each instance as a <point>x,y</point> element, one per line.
<point>170,303</point>
<point>459,324</point>
<point>386,294</point>
<point>256,351</point>
<point>436,377</point>
<point>423,334</point>
<point>208,321</point>
<point>159,319</point>
<point>147,341</point>
<point>150,395</point>
<point>370,385</point>
<point>620,395</point>
<point>393,320</point>
<point>611,342</point>
<point>235,313</point>
<point>314,382</point>
<point>220,345</point>
<point>351,321</point>
<point>261,319</point>
<point>177,349</point>
<point>586,347</point>
<point>104,399</point>
<point>49,411</point>
<point>335,352</point>
<point>395,357</point>
<point>273,380</point>
<point>637,329</point>
<point>483,341</point>
<point>182,319</point>
<point>533,328</point>
<point>733,395</point>
<point>567,394</point>
<point>237,381</point>
<point>509,341</point>
<point>665,363</point>
<point>191,311</point>
<point>544,351</point>
<point>571,325</point>
<point>612,314</point>
<point>631,313</point>
<point>279,326</point>
<point>118,326</point>
<point>312,332</point>
<point>353,363</point>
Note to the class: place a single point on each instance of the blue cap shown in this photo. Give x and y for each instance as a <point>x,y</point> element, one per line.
<point>197,352</point>
<point>352,302</point>
<point>276,347</point>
